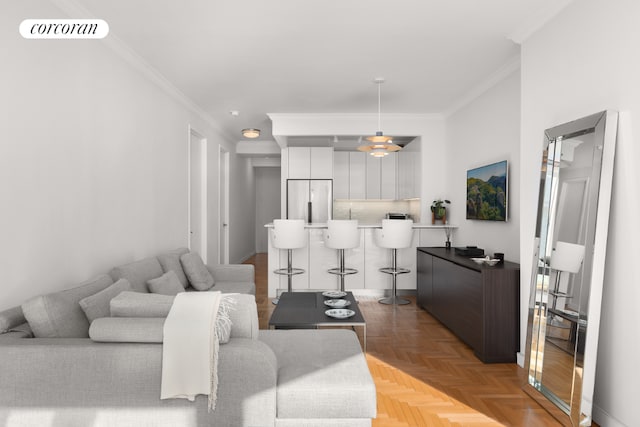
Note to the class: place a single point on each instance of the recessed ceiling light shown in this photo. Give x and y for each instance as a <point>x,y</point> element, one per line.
<point>251,133</point>
<point>234,113</point>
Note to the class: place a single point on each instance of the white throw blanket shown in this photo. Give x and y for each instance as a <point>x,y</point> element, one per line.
<point>190,347</point>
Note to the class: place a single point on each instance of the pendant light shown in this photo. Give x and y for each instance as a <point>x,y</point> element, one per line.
<point>379,144</point>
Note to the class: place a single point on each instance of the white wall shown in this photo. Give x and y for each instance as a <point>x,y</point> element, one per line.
<point>267,203</point>
<point>241,210</point>
<point>485,131</point>
<point>584,61</point>
<point>93,161</point>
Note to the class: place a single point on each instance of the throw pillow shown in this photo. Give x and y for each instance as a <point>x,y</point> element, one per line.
<point>171,261</point>
<point>97,305</point>
<point>196,271</point>
<point>137,304</point>
<point>167,284</point>
<point>10,318</point>
<point>58,315</point>
<point>138,272</point>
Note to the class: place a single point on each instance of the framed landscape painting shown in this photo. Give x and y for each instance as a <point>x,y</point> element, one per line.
<point>487,192</point>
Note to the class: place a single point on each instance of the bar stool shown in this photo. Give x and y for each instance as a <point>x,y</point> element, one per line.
<point>288,234</point>
<point>342,234</point>
<point>395,234</point>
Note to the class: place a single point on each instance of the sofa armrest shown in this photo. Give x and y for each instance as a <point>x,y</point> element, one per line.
<point>232,272</point>
<point>54,378</point>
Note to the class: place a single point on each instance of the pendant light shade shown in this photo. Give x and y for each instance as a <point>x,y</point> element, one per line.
<point>379,144</point>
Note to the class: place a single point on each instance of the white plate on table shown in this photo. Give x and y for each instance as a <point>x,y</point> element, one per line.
<point>334,294</point>
<point>337,303</point>
<point>340,313</point>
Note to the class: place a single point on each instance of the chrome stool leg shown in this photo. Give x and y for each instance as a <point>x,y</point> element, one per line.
<point>341,270</point>
<point>289,272</point>
<point>394,271</point>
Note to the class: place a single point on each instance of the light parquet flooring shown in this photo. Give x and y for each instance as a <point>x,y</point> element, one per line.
<point>424,375</point>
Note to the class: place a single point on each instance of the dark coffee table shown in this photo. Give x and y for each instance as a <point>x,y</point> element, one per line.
<point>306,310</point>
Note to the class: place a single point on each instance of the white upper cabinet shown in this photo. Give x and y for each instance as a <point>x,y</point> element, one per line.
<point>373,177</point>
<point>406,175</point>
<point>388,176</point>
<point>341,175</point>
<point>299,162</point>
<point>321,162</point>
<point>310,162</point>
<point>357,175</point>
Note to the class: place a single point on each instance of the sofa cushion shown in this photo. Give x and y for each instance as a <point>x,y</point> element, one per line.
<point>167,284</point>
<point>10,318</point>
<point>242,314</point>
<point>196,271</point>
<point>97,305</point>
<point>321,373</point>
<point>235,287</point>
<point>58,315</point>
<point>127,329</point>
<point>138,272</point>
<point>171,261</point>
<point>136,304</point>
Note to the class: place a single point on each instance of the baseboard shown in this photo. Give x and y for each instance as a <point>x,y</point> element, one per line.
<point>520,359</point>
<point>243,259</point>
<point>604,419</point>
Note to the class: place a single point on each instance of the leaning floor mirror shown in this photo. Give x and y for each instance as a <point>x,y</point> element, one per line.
<point>568,268</point>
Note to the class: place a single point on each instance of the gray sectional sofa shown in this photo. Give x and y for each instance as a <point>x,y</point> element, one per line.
<point>63,377</point>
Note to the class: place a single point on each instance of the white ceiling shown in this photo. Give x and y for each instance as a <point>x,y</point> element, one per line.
<point>297,56</point>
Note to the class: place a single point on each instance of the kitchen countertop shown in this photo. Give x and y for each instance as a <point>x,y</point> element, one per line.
<point>416,225</point>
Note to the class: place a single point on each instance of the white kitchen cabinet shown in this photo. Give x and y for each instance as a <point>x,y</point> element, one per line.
<point>310,162</point>
<point>360,176</point>
<point>341,175</point>
<point>406,178</point>
<point>389,176</point>
<point>382,177</point>
<point>357,175</point>
<point>299,162</point>
<point>373,177</point>
<point>323,259</point>
<point>321,162</point>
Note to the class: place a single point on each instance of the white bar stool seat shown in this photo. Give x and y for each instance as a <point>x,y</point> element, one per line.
<point>342,234</point>
<point>395,234</point>
<point>288,234</point>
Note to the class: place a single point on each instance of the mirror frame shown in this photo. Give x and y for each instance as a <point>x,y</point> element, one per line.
<point>578,411</point>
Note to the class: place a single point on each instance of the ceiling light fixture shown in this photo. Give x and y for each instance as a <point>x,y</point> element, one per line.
<point>379,144</point>
<point>251,133</point>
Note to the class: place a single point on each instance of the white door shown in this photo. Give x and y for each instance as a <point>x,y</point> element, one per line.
<point>223,194</point>
<point>197,194</point>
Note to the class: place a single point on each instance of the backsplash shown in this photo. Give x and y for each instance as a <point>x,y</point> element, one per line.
<point>374,211</point>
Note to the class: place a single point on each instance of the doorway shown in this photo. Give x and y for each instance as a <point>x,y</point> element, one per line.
<point>197,194</point>
<point>223,204</point>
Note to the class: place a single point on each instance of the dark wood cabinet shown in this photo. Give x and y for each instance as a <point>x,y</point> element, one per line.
<point>480,304</point>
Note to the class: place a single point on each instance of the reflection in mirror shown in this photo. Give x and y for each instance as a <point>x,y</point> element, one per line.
<point>570,243</point>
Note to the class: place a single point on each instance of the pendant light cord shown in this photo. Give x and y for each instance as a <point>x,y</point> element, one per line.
<point>379,125</point>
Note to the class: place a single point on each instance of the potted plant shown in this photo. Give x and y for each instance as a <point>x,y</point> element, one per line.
<point>438,208</point>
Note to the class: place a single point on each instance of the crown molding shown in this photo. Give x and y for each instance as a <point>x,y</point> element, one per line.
<point>510,67</point>
<point>131,57</point>
<point>354,116</point>
<point>536,21</point>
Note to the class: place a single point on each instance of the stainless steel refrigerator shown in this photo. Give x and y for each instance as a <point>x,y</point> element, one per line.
<point>310,199</point>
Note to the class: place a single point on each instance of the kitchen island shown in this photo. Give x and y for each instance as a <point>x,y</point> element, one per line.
<point>367,258</point>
